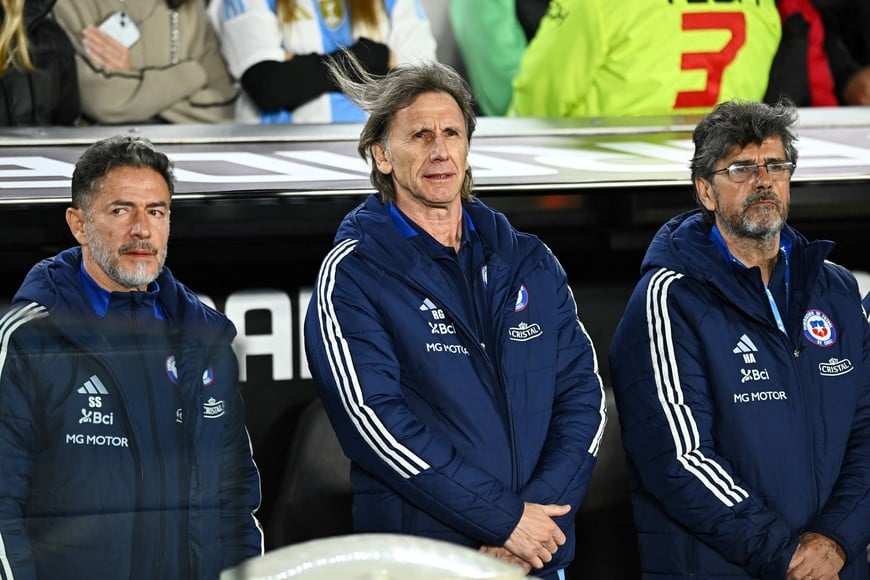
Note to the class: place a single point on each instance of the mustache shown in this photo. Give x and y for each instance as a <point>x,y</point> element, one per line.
<point>761,196</point>
<point>136,247</point>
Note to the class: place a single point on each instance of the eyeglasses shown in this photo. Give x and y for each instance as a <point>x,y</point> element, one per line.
<point>777,170</point>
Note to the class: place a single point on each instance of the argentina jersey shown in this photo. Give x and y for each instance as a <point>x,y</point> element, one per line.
<point>252,32</point>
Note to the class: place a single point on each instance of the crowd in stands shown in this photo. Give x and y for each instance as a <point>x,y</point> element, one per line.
<point>85,62</point>
<point>271,46</point>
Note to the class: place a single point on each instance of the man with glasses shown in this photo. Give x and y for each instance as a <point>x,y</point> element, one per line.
<point>741,371</point>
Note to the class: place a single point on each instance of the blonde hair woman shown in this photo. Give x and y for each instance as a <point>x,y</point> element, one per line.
<point>278,51</point>
<point>13,38</point>
<point>37,70</point>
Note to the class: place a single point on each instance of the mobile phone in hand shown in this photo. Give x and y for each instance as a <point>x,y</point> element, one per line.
<point>121,27</point>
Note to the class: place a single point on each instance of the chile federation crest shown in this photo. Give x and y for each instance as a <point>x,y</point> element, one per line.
<point>818,328</point>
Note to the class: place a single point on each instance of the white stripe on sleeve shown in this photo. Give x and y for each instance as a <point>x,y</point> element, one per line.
<point>684,429</point>
<point>370,427</point>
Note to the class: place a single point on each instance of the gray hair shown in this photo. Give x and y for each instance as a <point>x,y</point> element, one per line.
<point>383,97</point>
<point>118,151</point>
<point>739,123</point>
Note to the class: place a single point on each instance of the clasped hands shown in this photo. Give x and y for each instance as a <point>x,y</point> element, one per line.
<point>535,539</point>
<point>817,557</point>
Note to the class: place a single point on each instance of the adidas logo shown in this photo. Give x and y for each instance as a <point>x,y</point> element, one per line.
<point>429,306</point>
<point>746,347</point>
<point>93,386</point>
<point>745,344</point>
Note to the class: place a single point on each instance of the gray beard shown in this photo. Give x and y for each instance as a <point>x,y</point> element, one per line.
<point>763,230</point>
<point>109,263</point>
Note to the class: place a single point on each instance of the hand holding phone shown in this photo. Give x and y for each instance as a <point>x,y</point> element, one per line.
<point>107,45</point>
<point>121,27</point>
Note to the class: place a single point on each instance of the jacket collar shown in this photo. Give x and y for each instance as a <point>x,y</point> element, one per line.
<point>100,298</point>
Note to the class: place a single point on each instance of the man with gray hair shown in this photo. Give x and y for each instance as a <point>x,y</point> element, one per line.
<point>446,346</point>
<point>740,370</point>
<point>123,448</point>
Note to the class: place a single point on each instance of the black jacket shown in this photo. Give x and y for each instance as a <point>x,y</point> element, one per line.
<point>49,95</point>
<point>822,47</point>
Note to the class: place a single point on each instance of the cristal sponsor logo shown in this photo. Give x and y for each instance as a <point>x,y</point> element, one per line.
<point>524,332</point>
<point>754,375</point>
<point>448,348</point>
<point>759,396</point>
<point>213,409</point>
<point>96,417</point>
<point>835,367</point>
<point>96,440</point>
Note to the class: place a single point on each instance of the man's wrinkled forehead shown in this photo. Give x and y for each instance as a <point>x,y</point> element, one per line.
<point>774,143</point>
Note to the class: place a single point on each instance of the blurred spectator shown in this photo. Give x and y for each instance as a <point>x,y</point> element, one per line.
<point>823,56</point>
<point>492,36</point>
<point>37,68</point>
<point>171,70</point>
<point>849,48</point>
<point>278,50</point>
<point>594,58</point>
<point>801,70</point>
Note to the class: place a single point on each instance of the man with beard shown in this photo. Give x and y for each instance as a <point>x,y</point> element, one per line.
<point>123,448</point>
<point>741,376</point>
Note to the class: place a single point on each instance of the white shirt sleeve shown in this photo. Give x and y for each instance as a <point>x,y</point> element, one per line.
<point>410,36</point>
<point>249,33</point>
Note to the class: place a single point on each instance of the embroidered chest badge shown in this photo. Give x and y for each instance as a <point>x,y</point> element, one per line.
<point>172,372</point>
<point>522,299</point>
<point>171,369</point>
<point>524,331</point>
<point>818,328</point>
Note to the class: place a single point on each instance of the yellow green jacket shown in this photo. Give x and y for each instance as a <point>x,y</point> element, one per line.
<point>594,58</point>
